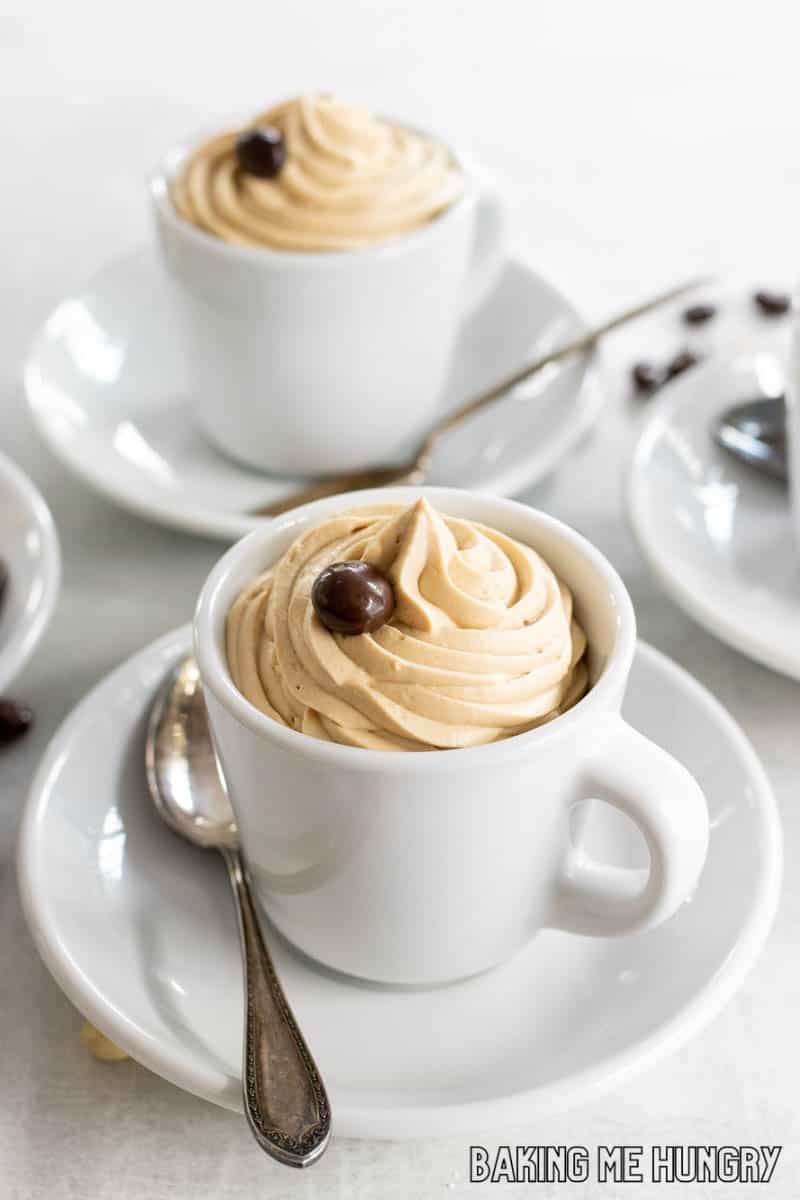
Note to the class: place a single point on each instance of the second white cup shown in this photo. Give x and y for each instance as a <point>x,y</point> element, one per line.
<point>319,363</point>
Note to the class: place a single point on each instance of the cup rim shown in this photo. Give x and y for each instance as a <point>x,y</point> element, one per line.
<point>602,696</point>
<point>160,176</point>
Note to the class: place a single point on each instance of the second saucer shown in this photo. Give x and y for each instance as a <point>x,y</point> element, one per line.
<point>112,394</point>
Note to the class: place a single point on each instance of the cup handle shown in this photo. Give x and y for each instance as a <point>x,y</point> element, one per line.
<point>666,804</point>
<point>491,225</point>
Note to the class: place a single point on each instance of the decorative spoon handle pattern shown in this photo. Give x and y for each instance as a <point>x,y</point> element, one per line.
<point>285,1099</point>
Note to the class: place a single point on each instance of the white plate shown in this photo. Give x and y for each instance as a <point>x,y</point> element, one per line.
<point>111,393</point>
<point>138,928</point>
<point>718,535</point>
<point>29,547</point>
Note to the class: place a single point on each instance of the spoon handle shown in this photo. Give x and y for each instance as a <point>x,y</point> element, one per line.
<point>284,1097</point>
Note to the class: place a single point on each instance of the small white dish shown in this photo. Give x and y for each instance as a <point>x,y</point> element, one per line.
<point>718,535</point>
<point>111,393</point>
<point>30,550</point>
<point>138,929</point>
<point>792,394</point>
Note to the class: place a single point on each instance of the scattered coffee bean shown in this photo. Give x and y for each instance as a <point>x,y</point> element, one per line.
<point>682,361</point>
<point>773,304</point>
<point>15,720</point>
<point>352,597</point>
<point>698,314</point>
<point>3,579</point>
<point>647,377</point>
<point>261,151</point>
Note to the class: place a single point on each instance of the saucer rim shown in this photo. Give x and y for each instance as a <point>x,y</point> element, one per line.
<point>223,525</point>
<point>403,1121</point>
<point>701,607</point>
<point>28,632</point>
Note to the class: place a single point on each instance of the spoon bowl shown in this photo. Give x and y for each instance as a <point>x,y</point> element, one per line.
<point>755,433</point>
<point>182,770</point>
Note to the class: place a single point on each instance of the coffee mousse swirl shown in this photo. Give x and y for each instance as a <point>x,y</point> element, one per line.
<point>349,180</point>
<point>482,643</point>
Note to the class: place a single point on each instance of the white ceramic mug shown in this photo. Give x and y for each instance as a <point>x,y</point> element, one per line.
<point>422,868</point>
<point>317,363</point>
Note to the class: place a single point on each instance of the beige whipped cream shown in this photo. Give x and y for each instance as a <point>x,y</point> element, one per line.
<point>482,643</point>
<point>349,180</point>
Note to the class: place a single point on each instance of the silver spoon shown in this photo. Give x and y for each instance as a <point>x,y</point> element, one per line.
<point>755,432</point>
<point>415,470</point>
<point>284,1097</point>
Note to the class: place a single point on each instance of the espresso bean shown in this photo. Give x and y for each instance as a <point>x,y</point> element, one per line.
<point>682,361</point>
<point>15,720</point>
<point>352,598</point>
<point>647,377</point>
<point>698,314</point>
<point>773,304</point>
<point>261,152</point>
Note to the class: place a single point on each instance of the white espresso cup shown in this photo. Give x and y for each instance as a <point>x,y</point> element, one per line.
<point>318,363</point>
<point>421,868</point>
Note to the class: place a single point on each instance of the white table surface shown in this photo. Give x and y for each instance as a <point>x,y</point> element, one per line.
<point>639,144</point>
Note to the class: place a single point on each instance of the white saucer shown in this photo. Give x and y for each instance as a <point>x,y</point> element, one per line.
<point>111,393</point>
<point>29,547</point>
<point>718,535</point>
<point>139,930</point>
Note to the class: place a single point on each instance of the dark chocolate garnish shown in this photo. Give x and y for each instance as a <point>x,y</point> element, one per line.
<point>352,597</point>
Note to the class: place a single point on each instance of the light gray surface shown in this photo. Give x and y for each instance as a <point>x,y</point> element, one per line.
<point>637,146</point>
